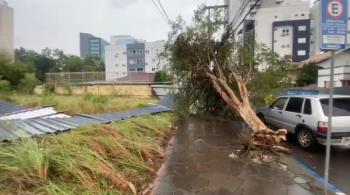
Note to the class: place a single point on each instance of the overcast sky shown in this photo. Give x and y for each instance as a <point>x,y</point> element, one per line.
<point>57,23</point>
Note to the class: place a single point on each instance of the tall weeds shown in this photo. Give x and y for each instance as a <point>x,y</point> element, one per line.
<point>87,104</point>
<point>101,159</point>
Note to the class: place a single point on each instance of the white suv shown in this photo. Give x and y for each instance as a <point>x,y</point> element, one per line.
<point>307,116</point>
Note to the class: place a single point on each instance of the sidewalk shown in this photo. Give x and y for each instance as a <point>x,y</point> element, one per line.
<point>198,163</point>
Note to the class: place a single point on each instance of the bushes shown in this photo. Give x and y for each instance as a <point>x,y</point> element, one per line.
<point>48,89</point>
<point>4,86</point>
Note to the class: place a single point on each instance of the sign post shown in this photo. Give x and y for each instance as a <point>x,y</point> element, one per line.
<point>333,32</point>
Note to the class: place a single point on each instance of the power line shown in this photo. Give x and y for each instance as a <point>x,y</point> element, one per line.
<point>246,15</point>
<point>161,6</point>
<point>157,8</point>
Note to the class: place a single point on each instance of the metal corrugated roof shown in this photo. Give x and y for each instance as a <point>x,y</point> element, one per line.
<point>12,129</point>
<point>46,112</point>
<point>7,107</point>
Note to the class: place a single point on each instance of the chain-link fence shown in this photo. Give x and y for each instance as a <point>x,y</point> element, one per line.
<point>75,78</point>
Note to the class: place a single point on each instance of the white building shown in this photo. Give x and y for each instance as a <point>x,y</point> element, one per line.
<point>315,27</point>
<point>6,30</point>
<point>285,30</point>
<point>127,55</point>
<point>341,70</point>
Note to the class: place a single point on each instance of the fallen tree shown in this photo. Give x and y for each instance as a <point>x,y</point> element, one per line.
<point>209,68</point>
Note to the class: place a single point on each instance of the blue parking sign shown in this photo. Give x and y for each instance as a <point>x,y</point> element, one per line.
<point>334,21</point>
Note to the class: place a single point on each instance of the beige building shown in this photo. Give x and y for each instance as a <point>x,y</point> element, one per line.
<point>6,30</point>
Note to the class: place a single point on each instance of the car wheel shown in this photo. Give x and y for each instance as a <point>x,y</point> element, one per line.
<point>261,117</point>
<point>305,139</point>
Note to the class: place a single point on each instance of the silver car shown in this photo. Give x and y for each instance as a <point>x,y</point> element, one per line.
<point>307,116</point>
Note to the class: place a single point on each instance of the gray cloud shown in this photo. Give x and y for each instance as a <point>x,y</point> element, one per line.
<point>57,23</point>
<point>122,3</point>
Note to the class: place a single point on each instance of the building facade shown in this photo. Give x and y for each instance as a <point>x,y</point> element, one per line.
<point>315,27</point>
<point>241,13</point>
<point>89,44</point>
<point>6,31</point>
<point>129,55</point>
<point>285,30</point>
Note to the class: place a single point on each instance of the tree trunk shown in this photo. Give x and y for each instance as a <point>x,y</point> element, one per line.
<point>262,136</point>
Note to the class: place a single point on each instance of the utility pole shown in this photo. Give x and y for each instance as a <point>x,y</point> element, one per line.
<point>209,8</point>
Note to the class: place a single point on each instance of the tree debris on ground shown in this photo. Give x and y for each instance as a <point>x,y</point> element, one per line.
<point>221,76</point>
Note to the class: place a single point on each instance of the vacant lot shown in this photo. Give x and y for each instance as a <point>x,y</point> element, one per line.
<point>115,158</point>
<point>85,104</point>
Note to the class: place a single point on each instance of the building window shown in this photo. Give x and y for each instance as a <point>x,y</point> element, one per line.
<point>153,60</point>
<point>301,28</point>
<point>153,69</point>
<point>124,52</point>
<point>94,45</point>
<point>94,48</point>
<point>133,51</point>
<point>116,55</point>
<point>275,41</point>
<point>302,14</point>
<point>139,61</point>
<point>132,69</point>
<point>275,16</point>
<point>287,31</point>
<point>94,40</point>
<point>116,65</point>
<point>123,64</point>
<point>301,40</point>
<point>301,52</point>
<point>311,42</point>
<point>141,51</point>
<point>147,51</point>
<point>130,51</point>
<point>275,29</point>
<point>123,73</point>
<point>95,52</point>
<point>139,69</point>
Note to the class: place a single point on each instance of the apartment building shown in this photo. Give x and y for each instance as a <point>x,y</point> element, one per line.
<point>285,30</point>
<point>315,27</point>
<point>6,31</point>
<point>127,55</point>
<point>90,44</point>
<point>242,16</point>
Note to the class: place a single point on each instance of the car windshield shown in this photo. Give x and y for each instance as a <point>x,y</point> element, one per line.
<point>341,106</point>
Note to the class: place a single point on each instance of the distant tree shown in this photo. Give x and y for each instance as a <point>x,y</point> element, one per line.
<point>162,76</point>
<point>308,74</point>
<point>14,73</point>
<point>94,63</point>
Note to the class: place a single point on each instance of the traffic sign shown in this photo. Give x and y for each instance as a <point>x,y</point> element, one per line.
<point>334,21</point>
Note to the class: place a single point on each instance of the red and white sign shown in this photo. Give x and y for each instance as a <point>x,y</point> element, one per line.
<point>335,9</point>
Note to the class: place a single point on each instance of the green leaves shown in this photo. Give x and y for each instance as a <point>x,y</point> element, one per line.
<point>192,51</point>
<point>308,74</point>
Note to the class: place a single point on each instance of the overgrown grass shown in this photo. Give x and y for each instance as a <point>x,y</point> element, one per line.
<point>87,104</point>
<point>115,158</point>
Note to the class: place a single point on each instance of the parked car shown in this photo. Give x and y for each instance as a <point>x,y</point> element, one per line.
<point>307,117</point>
<point>300,92</point>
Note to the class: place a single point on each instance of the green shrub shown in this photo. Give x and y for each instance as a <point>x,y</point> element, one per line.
<point>88,96</point>
<point>4,86</point>
<point>96,99</point>
<point>48,89</point>
<point>29,83</point>
<point>68,89</point>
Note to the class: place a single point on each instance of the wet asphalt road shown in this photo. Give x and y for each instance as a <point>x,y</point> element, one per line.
<point>339,172</point>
